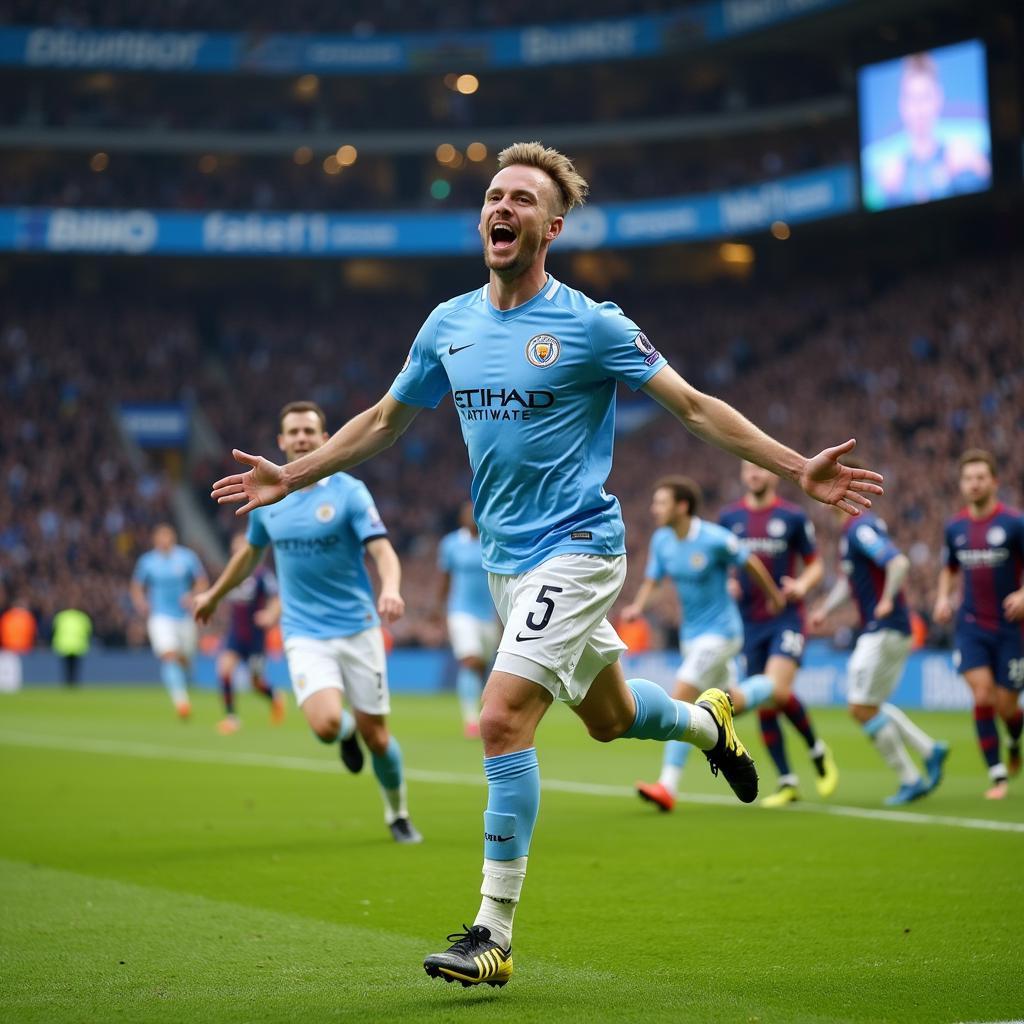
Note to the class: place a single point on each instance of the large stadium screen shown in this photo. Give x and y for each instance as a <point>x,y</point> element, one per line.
<point>924,129</point>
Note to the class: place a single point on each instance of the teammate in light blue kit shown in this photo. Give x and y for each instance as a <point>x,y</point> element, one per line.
<point>472,627</point>
<point>163,585</point>
<point>697,556</point>
<point>532,366</point>
<point>332,638</point>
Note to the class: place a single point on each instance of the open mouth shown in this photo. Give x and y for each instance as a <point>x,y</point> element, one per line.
<point>502,236</point>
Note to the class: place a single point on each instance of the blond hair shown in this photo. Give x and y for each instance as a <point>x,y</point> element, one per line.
<point>572,187</point>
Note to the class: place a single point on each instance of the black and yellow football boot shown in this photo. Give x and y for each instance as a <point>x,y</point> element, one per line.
<point>473,958</point>
<point>728,755</point>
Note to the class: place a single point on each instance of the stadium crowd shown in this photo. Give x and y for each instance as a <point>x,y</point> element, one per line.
<point>363,17</point>
<point>239,183</point>
<point>917,368</point>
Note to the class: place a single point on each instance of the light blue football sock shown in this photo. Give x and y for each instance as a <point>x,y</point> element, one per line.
<point>388,766</point>
<point>468,685</point>
<point>173,675</point>
<point>756,690</point>
<point>658,716</point>
<point>676,753</point>
<point>513,800</point>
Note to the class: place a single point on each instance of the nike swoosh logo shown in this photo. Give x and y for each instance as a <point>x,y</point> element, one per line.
<point>501,839</point>
<point>521,638</point>
<point>452,350</point>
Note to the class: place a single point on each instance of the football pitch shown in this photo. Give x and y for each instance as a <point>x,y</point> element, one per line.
<point>155,871</point>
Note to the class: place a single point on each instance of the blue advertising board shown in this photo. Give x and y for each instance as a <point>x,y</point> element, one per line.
<point>809,196</point>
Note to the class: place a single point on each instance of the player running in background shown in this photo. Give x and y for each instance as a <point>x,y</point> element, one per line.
<point>164,583</point>
<point>472,625</point>
<point>696,556</point>
<point>782,537</point>
<point>986,542</point>
<point>253,608</point>
<point>532,366</point>
<point>332,638</point>
<point>872,573</point>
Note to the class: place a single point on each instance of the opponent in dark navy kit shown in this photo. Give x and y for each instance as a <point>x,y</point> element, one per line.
<point>985,545</point>
<point>781,535</point>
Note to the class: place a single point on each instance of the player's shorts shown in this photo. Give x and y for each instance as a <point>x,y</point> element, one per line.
<point>472,637</point>
<point>876,666</point>
<point>246,647</point>
<point>779,637</point>
<point>1001,651</point>
<point>168,635</point>
<point>556,631</point>
<point>709,660</point>
<point>355,665</point>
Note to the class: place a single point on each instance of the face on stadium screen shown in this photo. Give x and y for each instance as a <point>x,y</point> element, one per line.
<point>301,433</point>
<point>515,219</point>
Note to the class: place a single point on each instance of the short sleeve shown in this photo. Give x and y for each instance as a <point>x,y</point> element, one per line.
<point>621,348</point>
<point>735,552</point>
<point>949,559</point>
<point>874,544</point>
<point>444,555</point>
<point>257,534</point>
<point>195,566</point>
<point>655,566</point>
<point>422,380</point>
<point>141,573</point>
<point>363,516</point>
<point>803,539</point>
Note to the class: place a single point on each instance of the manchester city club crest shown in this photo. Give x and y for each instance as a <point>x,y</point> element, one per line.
<point>543,349</point>
<point>325,513</point>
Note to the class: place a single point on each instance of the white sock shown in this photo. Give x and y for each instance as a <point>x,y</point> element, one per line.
<point>501,888</point>
<point>890,746</point>
<point>916,737</point>
<point>702,729</point>
<point>470,711</point>
<point>818,750</point>
<point>789,780</point>
<point>394,803</point>
<point>669,777</point>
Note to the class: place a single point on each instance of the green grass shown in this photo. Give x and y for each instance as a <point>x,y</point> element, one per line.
<point>154,871</point>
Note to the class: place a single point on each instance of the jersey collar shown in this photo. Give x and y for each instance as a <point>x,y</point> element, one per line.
<point>544,295</point>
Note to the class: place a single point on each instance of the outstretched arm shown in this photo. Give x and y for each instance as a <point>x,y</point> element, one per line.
<point>822,477</point>
<point>362,437</point>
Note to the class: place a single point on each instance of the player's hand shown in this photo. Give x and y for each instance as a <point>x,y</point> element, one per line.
<point>943,611</point>
<point>792,590</point>
<point>203,607</point>
<point>732,585</point>
<point>1013,606</point>
<point>631,612</point>
<point>265,618</point>
<point>817,619</point>
<point>827,480</point>
<point>882,609</point>
<point>390,606</point>
<point>263,484</point>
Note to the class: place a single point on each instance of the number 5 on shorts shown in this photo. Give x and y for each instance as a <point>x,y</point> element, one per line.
<point>549,607</point>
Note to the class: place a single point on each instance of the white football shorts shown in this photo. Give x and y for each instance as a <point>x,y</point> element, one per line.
<point>876,665</point>
<point>556,631</point>
<point>355,665</point>
<point>168,635</point>
<point>472,637</point>
<point>709,660</point>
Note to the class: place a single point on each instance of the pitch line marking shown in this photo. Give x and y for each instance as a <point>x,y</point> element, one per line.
<point>237,758</point>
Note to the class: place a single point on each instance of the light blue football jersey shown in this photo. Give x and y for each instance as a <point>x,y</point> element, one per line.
<point>167,578</point>
<point>698,564</point>
<point>534,388</point>
<point>318,535</point>
<point>461,556</point>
